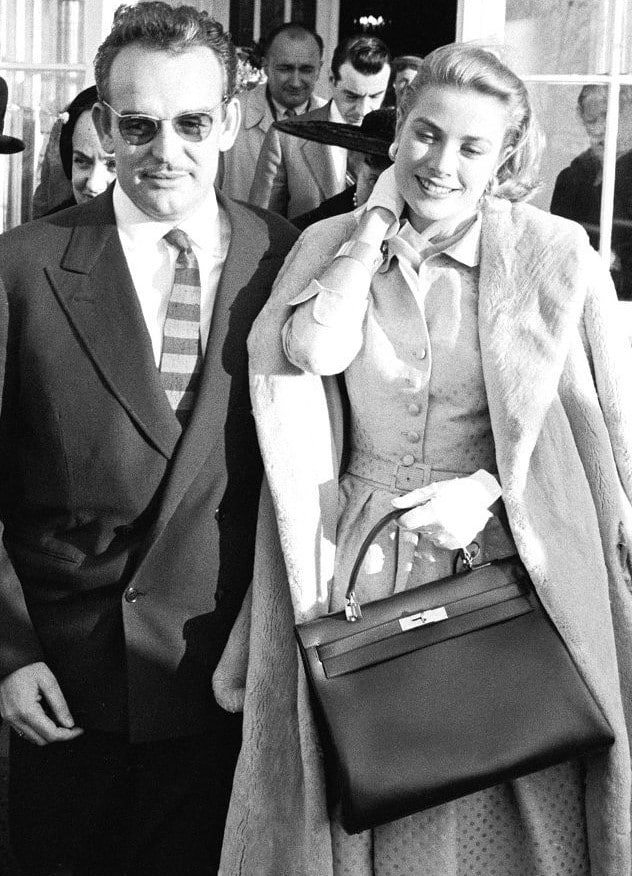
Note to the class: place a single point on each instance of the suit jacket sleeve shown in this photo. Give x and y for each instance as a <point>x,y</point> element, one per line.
<point>19,644</point>
<point>270,186</point>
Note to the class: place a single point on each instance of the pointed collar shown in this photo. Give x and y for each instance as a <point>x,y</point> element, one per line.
<point>408,244</point>
<point>136,229</point>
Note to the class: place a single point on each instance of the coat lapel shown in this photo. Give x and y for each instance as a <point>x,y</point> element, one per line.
<point>320,163</point>
<point>319,159</point>
<point>95,289</point>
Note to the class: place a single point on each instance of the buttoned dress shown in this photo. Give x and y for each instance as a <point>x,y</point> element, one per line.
<point>419,414</point>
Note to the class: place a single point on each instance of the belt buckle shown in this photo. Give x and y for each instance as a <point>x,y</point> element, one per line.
<point>411,477</point>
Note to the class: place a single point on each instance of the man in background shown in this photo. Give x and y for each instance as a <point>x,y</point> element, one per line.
<point>293,56</point>
<point>294,175</point>
<point>129,470</point>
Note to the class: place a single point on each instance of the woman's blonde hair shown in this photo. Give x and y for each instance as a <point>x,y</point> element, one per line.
<point>473,68</point>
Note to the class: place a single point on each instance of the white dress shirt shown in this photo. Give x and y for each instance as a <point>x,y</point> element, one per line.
<point>281,111</point>
<point>339,153</point>
<point>151,261</point>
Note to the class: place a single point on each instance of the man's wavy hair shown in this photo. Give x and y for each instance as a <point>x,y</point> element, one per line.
<point>157,25</point>
<point>473,68</point>
<point>366,54</point>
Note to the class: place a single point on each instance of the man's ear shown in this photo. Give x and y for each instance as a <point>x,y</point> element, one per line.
<point>101,119</point>
<point>230,124</point>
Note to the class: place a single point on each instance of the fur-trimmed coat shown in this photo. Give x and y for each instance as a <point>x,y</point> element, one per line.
<point>557,372</point>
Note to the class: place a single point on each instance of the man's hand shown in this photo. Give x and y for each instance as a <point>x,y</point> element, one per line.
<point>32,703</point>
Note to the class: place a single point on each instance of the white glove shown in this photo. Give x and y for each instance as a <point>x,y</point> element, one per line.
<point>386,194</point>
<point>450,513</point>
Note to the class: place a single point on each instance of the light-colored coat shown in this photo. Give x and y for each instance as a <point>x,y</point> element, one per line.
<point>237,166</point>
<point>294,175</point>
<point>557,373</point>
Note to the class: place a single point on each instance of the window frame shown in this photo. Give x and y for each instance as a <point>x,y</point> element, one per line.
<point>484,21</point>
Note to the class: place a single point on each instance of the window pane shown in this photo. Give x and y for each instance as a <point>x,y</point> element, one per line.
<point>555,36</point>
<point>626,43</point>
<point>44,32</point>
<point>35,100</point>
<point>571,167</point>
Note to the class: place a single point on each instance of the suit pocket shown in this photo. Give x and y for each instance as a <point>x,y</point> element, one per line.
<point>46,568</point>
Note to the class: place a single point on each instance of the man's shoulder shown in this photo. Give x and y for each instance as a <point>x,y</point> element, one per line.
<point>320,112</point>
<point>56,226</point>
<point>27,248</point>
<point>254,106</point>
<point>270,229</point>
<point>316,102</point>
<point>291,143</point>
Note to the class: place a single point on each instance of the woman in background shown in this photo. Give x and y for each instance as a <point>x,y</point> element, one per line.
<point>83,161</point>
<point>577,192</point>
<point>88,167</point>
<point>480,347</point>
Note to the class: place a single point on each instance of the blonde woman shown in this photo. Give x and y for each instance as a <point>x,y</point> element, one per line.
<point>478,341</point>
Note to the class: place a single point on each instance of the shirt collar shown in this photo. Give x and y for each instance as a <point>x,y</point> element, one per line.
<point>137,229</point>
<point>409,244</point>
<point>334,114</point>
<point>281,110</point>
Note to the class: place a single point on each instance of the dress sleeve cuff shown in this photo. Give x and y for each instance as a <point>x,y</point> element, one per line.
<point>331,306</point>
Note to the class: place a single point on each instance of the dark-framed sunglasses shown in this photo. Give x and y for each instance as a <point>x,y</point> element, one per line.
<point>139,128</point>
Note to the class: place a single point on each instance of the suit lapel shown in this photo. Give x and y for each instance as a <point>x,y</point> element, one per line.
<point>320,161</point>
<point>94,287</point>
<point>319,158</point>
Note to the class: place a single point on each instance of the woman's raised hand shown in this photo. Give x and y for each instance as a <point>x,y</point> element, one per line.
<point>386,195</point>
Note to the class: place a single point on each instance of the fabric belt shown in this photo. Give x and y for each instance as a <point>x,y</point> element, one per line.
<point>398,476</point>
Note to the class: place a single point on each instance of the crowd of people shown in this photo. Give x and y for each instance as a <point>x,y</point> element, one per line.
<point>242,329</point>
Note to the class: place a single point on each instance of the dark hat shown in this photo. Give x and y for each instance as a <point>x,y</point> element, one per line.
<point>373,136</point>
<point>82,103</point>
<point>7,144</point>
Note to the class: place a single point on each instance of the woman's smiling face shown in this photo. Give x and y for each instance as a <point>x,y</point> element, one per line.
<point>449,147</point>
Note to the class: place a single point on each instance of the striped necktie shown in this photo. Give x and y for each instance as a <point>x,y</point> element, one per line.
<point>181,359</point>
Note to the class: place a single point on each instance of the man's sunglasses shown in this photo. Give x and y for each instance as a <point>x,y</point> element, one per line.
<point>138,128</point>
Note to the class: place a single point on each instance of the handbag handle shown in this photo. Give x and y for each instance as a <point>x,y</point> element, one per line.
<point>353,610</point>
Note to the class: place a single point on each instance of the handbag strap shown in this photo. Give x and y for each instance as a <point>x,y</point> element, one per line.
<point>353,610</point>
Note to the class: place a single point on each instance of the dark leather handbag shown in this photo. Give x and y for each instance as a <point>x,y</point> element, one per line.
<point>442,690</point>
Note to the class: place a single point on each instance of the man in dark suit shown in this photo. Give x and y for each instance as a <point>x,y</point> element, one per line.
<point>294,175</point>
<point>129,469</point>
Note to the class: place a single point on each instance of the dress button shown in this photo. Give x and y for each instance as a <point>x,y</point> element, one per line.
<point>414,409</point>
<point>408,459</point>
<point>131,594</point>
<point>421,354</point>
<point>414,437</point>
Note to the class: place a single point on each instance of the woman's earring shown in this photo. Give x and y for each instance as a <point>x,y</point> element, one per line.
<point>392,151</point>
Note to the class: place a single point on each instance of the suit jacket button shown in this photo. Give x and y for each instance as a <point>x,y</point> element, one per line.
<point>131,594</point>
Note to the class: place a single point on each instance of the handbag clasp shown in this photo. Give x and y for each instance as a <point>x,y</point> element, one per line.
<point>432,616</point>
<point>353,612</point>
